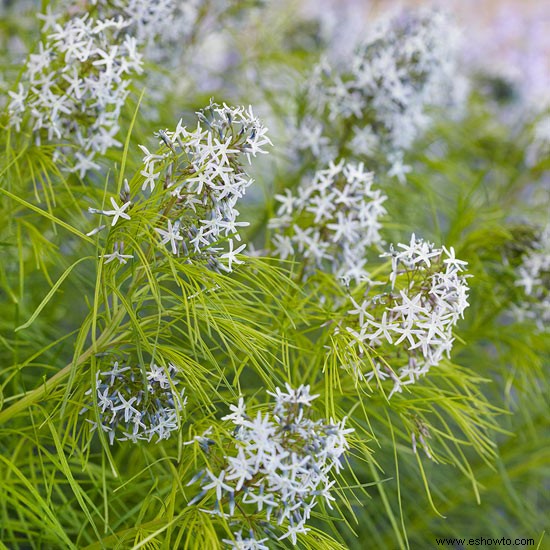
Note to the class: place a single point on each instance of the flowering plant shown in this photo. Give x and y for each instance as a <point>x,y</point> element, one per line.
<point>416,319</point>
<point>331,222</point>
<point>281,465</point>
<point>208,339</point>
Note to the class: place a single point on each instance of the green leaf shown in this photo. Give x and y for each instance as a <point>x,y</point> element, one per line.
<point>50,294</point>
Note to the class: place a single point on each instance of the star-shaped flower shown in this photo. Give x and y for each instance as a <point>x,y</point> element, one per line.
<point>118,211</point>
<point>172,235</point>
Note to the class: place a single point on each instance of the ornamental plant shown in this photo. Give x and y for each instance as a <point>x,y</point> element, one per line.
<point>419,317</point>
<point>331,222</point>
<point>137,408</point>
<point>261,291</point>
<point>378,102</point>
<point>76,84</point>
<point>281,463</point>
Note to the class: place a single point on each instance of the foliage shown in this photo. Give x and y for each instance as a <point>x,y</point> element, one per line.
<point>136,325</point>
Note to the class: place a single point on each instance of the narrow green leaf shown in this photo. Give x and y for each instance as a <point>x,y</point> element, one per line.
<point>47,215</point>
<point>50,294</point>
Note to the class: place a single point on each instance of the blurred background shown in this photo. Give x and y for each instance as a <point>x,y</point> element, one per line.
<point>508,38</point>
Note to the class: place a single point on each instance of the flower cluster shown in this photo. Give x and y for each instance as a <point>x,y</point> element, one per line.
<point>155,25</point>
<point>331,220</point>
<point>250,543</point>
<point>138,404</point>
<point>280,463</point>
<point>195,181</point>
<point>533,277</point>
<point>428,295</point>
<point>377,103</point>
<point>76,83</point>
<point>203,174</point>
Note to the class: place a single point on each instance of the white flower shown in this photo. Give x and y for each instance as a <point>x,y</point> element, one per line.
<point>420,318</point>
<point>134,411</point>
<point>250,543</point>
<point>407,64</point>
<point>532,276</point>
<point>49,19</point>
<point>150,176</point>
<point>171,235</point>
<point>300,396</point>
<point>126,407</point>
<point>294,530</point>
<point>116,255</point>
<point>84,164</point>
<point>398,169</point>
<point>74,86</point>
<point>238,414</point>
<point>231,256</point>
<point>118,211</point>
<point>331,221</point>
<point>279,463</point>
<point>217,484</point>
<point>149,157</point>
<point>203,180</point>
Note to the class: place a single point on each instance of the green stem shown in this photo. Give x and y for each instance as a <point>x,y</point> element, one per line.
<point>39,393</point>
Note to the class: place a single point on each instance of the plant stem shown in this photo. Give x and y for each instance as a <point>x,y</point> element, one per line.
<point>39,393</point>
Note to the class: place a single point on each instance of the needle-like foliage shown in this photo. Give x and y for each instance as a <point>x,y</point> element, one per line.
<point>332,334</point>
